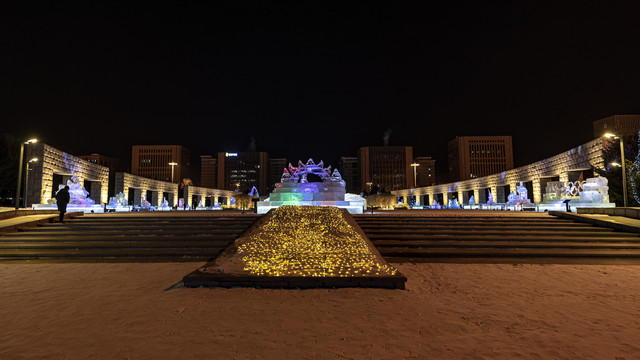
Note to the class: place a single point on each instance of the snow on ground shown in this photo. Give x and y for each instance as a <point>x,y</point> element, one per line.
<point>449,311</point>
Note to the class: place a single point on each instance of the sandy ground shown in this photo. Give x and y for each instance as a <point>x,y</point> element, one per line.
<point>449,311</point>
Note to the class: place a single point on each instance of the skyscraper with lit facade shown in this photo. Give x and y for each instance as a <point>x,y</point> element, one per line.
<point>243,170</point>
<point>617,124</point>
<point>385,167</point>
<point>350,171</point>
<point>152,161</point>
<point>426,171</point>
<point>276,168</point>
<point>478,156</point>
<point>208,171</point>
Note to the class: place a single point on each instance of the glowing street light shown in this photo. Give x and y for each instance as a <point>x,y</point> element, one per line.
<point>624,170</point>
<point>26,181</point>
<point>172,165</point>
<point>415,176</point>
<point>30,141</point>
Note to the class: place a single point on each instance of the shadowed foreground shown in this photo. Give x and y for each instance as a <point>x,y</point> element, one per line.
<point>450,311</point>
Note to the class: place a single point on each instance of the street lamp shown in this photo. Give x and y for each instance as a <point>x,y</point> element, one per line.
<point>415,171</point>
<point>30,141</point>
<point>624,170</point>
<point>26,181</point>
<point>172,165</point>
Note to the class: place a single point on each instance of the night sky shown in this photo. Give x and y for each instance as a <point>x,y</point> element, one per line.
<point>316,80</point>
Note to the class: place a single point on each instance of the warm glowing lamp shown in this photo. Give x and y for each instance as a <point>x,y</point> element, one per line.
<point>624,170</point>
<point>172,165</point>
<point>30,141</point>
<point>415,167</point>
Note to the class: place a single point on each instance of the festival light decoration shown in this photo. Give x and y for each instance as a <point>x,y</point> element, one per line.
<point>310,241</point>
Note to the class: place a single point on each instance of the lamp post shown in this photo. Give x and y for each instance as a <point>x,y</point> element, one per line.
<point>624,169</point>
<point>172,165</point>
<point>415,172</point>
<point>26,181</point>
<point>30,141</point>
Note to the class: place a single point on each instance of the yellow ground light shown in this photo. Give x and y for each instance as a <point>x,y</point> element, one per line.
<point>310,241</point>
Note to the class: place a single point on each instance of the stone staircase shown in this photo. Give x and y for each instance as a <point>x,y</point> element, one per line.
<point>189,236</point>
<point>537,238</point>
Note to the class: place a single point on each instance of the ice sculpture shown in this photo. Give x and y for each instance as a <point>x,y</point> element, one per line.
<point>472,200</point>
<point>490,200</point>
<point>595,190</point>
<point>78,195</point>
<point>554,191</point>
<point>310,184</point>
<point>453,204</point>
<point>254,192</point>
<point>521,198</point>
<point>118,200</point>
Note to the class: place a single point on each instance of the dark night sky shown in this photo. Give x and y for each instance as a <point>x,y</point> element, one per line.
<point>316,80</point>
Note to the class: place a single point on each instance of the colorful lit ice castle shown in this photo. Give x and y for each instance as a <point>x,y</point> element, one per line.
<point>309,184</point>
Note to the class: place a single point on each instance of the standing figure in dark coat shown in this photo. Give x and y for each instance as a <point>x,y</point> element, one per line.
<point>62,199</point>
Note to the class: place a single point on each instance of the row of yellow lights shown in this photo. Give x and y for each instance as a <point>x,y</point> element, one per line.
<point>310,241</point>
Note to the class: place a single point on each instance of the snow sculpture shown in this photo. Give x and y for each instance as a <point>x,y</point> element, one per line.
<point>472,200</point>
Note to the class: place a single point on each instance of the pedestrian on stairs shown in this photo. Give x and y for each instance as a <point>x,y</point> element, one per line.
<point>62,199</point>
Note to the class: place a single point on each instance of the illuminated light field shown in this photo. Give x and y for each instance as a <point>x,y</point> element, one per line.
<point>300,246</point>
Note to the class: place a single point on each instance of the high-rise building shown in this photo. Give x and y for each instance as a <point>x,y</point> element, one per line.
<point>243,170</point>
<point>208,170</point>
<point>385,168</point>
<point>426,171</point>
<point>477,156</point>
<point>152,161</point>
<point>617,124</point>
<point>112,163</point>
<point>350,172</point>
<point>276,168</point>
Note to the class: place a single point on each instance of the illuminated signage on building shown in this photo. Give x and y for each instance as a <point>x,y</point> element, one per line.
<point>228,154</point>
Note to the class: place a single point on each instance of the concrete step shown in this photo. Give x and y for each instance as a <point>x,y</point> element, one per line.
<point>507,244</point>
<point>404,252</point>
<point>502,235</point>
<point>82,237</point>
<point>126,253</point>
<point>116,244</point>
<point>66,227</point>
<point>462,229</point>
<point>119,232</point>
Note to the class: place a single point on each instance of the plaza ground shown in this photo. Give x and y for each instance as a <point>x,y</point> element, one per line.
<point>448,311</point>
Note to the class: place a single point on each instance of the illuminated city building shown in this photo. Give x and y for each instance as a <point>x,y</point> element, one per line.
<point>276,166</point>
<point>477,156</point>
<point>617,124</point>
<point>385,167</point>
<point>152,161</point>
<point>243,170</point>
<point>112,163</point>
<point>208,171</point>
<point>426,171</point>
<point>350,170</point>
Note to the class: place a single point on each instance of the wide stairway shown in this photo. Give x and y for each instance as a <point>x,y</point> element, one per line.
<point>189,236</point>
<point>538,238</point>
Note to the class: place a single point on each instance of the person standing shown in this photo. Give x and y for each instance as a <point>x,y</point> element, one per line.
<point>62,199</point>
